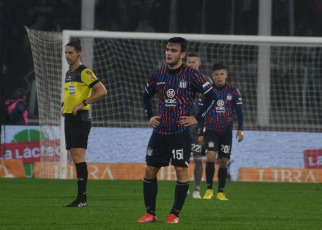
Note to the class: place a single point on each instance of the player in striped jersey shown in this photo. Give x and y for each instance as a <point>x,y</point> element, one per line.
<point>218,125</point>
<point>176,85</point>
<point>197,150</point>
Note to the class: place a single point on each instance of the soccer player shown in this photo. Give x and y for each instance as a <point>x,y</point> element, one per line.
<point>79,82</point>
<point>176,85</point>
<point>198,150</point>
<point>218,130</point>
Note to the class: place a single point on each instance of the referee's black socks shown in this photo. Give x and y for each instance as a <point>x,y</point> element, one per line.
<point>82,175</point>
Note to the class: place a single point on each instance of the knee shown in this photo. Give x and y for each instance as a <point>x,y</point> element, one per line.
<point>223,162</point>
<point>150,172</point>
<point>182,174</point>
<point>211,156</point>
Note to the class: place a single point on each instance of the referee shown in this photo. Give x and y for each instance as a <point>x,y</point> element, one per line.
<point>79,82</point>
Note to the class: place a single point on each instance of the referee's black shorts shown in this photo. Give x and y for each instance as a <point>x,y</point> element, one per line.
<point>162,148</point>
<point>77,129</point>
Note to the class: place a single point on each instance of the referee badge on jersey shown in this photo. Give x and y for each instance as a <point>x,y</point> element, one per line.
<point>229,97</point>
<point>149,151</point>
<point>183,84</point>
<point>71,89</point>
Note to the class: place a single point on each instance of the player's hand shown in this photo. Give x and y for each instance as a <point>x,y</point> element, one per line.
<point>62,111</point>
<point>240,135</point>
<point>201,140</point>
<point>154,121</point>
<point>188,120</point>
<point>77,108</point>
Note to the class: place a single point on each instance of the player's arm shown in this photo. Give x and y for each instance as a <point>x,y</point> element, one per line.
<point>99,92</point>
<point>147,104</point>
<point>201,124</point>
<point>240,118</point>
<point>210,95</point>
<point>209,103</point>
<point>148,93</point>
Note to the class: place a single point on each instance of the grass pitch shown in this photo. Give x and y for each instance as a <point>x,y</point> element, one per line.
<point>38,204</point>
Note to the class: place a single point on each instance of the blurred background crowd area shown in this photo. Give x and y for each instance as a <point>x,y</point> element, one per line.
<point>236,17</point>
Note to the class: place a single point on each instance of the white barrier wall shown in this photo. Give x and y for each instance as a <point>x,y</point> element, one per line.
<point>262,149</point>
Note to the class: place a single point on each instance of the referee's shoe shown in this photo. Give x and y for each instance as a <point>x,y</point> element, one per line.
<point>77,204</point>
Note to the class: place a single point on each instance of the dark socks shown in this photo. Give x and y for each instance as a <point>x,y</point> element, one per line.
<point>82,175</point>
<point>210,172</point>
<point>179,197</point>
<point>150,191</point>
<point>222,177</point>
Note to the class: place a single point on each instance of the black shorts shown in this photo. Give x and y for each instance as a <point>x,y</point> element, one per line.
<point>77,129</point>
<point>219,141</point>
<point>197,149</point>
<point>162,148</point>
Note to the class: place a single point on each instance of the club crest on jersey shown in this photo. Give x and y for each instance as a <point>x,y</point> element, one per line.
<point>71,89</point>
<point>220,108</point>
<point>211,144</point>
<point>229,97</point>
<point>183,84</point>
<point>149,151</point>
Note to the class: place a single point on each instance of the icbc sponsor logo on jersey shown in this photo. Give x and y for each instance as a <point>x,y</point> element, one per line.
<point>313,158</point>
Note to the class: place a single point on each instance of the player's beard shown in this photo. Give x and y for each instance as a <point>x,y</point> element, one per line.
<point>71,62</point>
<point>173,62</point>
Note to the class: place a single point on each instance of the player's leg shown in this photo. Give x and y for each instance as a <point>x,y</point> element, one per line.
<point>78,155</point>
<point>77,129</point>
<point>211,140</point>
<point>196,150</point>
<point>197,175</point>
<point>222,177</point>
<point>180,145</point>
<point>155,159</point>
<point>224,152</point>
<point>181,189</point>
<point>210,173</point>
<point>150,191</point>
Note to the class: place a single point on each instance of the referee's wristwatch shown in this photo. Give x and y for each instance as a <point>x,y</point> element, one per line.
<point>84,102</point>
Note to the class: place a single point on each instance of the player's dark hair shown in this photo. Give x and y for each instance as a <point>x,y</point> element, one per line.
<point>76,45</point>
<point>179,40</point>
<point>218,66</point>
<point>193,55</point>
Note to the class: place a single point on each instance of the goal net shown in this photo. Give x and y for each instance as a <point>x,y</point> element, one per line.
<point>280,79</point>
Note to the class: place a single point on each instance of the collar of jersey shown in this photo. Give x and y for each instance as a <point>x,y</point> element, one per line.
<point>219,87</point>
<point>174,71</point>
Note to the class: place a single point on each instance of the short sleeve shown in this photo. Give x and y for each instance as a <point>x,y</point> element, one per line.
<point>200,83</point>
<point>88,77</point>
